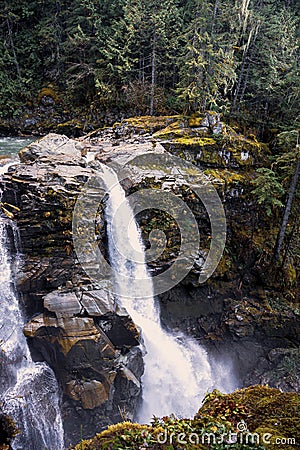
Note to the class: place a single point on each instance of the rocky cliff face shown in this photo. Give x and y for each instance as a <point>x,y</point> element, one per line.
<point>89,341</point>
<point>91,344</point>
<point>247,320</point>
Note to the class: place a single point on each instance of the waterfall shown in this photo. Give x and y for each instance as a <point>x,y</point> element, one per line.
<point>29,392</point>
<point>177,370</point>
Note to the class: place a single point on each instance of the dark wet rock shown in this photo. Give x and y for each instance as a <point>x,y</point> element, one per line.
<point>120,330</point>
<point>30,122</point>
<point>89,360</point>
<point>8,430</point>
<point>260,341</point>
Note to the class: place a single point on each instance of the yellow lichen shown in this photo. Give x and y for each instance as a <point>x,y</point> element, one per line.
<point>225,176</point>
<point>195,121</point>
<point>199,141</point>
<point>175,129</point>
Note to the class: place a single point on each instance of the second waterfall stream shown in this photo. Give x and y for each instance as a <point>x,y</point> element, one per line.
<point>177,370</point>
<point>29,392</point>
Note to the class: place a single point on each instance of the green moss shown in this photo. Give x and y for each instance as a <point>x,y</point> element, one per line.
<point>49,91</point>
<point>125,435</point>
<point>264,410</point>
<point>224,266</point>
<point>226,177</point>
<point>291,274</point>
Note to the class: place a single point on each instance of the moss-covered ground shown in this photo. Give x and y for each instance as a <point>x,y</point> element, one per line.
<point>255,417</point>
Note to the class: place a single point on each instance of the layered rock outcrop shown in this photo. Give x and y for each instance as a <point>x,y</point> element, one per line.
<point>78,329</point>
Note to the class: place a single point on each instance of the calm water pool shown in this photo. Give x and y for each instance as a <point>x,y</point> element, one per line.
<point>10,146</point>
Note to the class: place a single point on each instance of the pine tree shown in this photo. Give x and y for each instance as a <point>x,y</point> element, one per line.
<point>153,44</point>
<point>208,66</point>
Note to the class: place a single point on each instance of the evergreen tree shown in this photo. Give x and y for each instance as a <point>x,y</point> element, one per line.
<point>153,57</point>
<point>208,67</point>
<point>153,44</point>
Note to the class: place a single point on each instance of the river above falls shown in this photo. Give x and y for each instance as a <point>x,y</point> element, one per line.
<point>10,146</point>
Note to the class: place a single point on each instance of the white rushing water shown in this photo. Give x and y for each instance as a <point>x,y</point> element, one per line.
<point>29,392</point>
<point>177,370</point>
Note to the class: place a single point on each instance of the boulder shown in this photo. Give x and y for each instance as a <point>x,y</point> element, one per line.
<point>53,148</point>
<point>98,302</point>
<point>62,304</point>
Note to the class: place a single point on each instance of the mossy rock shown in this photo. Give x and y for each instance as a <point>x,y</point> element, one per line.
<point>48,92</point>
<point>195,121</point>
<point>196,141</point>
<point>71,127</point>
<point>207,143</point>
<point>262,408</point>
<point>227,179</point>
<point>143,124</point>
<point>274,440</point>
<point>120,436</point>
<point>179,129</point>
<point>269,417</point>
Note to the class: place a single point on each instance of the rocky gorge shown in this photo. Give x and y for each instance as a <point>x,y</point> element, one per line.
<point>239,315</point>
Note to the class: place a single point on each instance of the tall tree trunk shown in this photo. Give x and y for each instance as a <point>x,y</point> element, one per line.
<point>239,83</point>
<point>250,58</point>
<point>287,211</point>
<point>245,68</point>
<point>59,43</point>
<point>153,63</point>
<point>11,41</point>
<point>215,13</point>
